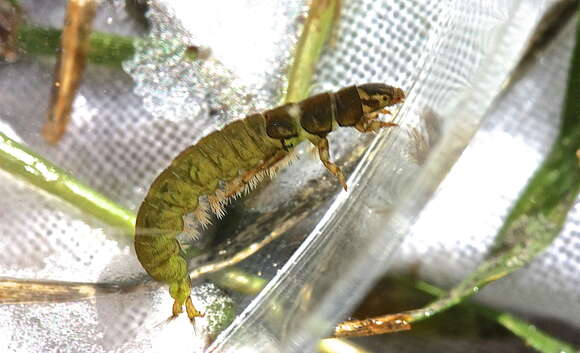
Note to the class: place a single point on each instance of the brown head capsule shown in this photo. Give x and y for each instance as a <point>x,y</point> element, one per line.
<point>376,96</point>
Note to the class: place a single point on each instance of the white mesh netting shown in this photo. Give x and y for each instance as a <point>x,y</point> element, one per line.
<point>450,57</point>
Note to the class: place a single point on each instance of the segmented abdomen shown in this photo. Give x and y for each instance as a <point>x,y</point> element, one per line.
<point>195,172</point>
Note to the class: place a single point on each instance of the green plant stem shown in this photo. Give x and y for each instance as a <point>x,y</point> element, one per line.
<point>104,48</point>
<point>531,335</point>
<point>322,17</point>
<point>238,280</point>
<point>20,161</point>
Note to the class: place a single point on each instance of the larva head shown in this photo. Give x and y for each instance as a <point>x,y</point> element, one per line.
<point>376,96</point>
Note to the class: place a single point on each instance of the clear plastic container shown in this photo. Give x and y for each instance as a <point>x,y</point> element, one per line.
<point>451,57</point>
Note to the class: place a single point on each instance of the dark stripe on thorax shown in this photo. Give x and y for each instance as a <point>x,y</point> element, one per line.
<point>348,106</point>
<point>317,113</point>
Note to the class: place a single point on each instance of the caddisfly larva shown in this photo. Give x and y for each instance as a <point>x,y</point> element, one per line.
<point>227,162</point>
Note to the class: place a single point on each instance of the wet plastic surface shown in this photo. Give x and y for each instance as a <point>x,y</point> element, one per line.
<point>451,58</point>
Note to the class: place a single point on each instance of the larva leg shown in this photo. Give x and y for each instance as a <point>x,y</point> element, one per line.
<point>368,124</point>
<point>181,292</point>
<point>324,154</point>
<point>192,312</point>
<point>177,309</point>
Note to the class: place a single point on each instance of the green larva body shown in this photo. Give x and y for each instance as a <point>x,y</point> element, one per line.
<point>237,156</point>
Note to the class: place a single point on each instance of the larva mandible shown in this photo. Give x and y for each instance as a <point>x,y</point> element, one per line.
<point>237,157</point>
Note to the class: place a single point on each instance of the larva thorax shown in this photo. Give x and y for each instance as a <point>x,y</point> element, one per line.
<point>319,115</point>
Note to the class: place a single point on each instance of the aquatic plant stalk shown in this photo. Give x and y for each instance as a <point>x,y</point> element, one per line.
<point>530,334</point>
<point>20,161</point>
<point>322,17</point>
<point>104,48</point>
